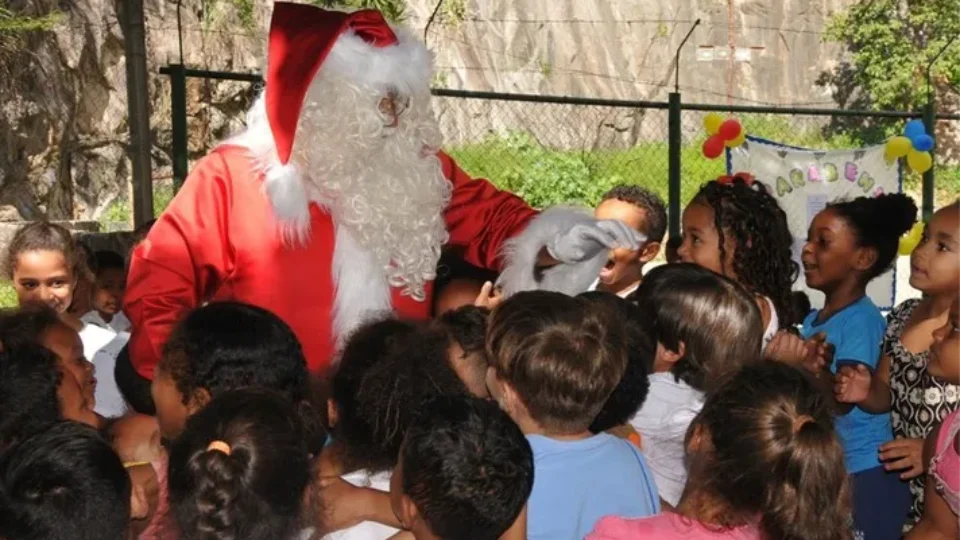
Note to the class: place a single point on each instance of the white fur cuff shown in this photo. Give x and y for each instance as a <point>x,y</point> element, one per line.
<point>521,253</point>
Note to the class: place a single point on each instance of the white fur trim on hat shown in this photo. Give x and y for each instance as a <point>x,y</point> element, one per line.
<point>406,66</point>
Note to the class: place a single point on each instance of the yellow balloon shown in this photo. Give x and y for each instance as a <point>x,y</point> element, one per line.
<point>899,146</point>
<point>919,161</point>
<point>711,123</point>
<point>909,241</point>
<point>733,143</point>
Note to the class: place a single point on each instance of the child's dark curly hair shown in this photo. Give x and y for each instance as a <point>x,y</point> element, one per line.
<point>388,372</point>
<point>878,222</point>
<point>29,378</point>
<point>764,263</point>
<point>631,392</point>
<point>229,346</point>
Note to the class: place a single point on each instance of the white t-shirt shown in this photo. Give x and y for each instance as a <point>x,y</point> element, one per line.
<point>772,327</point>
<point>622,294</point>
<point>368,530</point>
<point>101,348</point>
<point>662,422</point>
<point>119,323</point>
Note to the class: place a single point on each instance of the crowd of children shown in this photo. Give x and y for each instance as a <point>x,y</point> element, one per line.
<point>697,399</point>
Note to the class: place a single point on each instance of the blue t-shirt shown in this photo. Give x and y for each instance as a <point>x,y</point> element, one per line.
<point>575,483</point>
<point>856,332</point>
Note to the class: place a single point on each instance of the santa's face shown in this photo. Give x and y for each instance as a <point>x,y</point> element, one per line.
<point>370,155</point>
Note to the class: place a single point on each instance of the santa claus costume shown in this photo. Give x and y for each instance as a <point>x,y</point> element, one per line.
<point>331,208</point>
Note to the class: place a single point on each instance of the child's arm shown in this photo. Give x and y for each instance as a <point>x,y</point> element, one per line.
<point>855,384</point>
<point>938,521</point>
<point>343,505</point>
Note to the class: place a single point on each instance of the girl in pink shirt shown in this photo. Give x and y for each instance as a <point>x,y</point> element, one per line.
<point>765,463</point>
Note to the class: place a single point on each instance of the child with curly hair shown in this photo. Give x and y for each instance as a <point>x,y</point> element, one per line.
<point>733,227</point>
<point>848,245</point>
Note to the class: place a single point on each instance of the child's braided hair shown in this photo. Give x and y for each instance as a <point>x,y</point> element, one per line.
<point>764,262</point>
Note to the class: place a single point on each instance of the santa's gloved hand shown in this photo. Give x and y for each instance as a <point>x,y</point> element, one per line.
<point>585,241</point>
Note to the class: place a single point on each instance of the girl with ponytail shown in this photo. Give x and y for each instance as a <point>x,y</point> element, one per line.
<point>848,245</point>
<point>240,469</point>
<point>765,463</point>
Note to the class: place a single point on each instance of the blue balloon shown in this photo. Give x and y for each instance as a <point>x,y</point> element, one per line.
<point>914,128</point>
<point>922,143</point>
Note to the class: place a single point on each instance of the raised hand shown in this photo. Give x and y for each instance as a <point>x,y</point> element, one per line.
<point>852,384</point>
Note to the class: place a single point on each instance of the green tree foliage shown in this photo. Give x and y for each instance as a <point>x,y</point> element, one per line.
<point>15,26</point>
<point>892,41</point>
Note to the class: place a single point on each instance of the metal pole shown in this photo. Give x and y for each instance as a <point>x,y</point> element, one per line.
<point>675,132</point>
<point>138,112</point>
<point>930,120</point>
<point>178,109</point>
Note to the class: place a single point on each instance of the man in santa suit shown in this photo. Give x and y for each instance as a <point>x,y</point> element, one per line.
<point>331,208</point>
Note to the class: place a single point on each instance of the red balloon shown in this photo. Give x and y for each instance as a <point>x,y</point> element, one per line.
<point>713,147</point>
<point>730,129</point>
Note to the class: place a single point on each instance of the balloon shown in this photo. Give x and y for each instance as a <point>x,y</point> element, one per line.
<point>737,141</point>
<point>922,143</point>
<point>898,147</point>
<point>730,130</point>
<point>711,123</point>
<point>914,128</point>
<point>909,241</point>
<point>713,147</point>
<point>919,161</point>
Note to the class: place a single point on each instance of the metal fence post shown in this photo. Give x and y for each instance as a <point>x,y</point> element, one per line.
<point>929,192</point>
<point>675,141</point>
<point>178,122</point>
<point>138,107</point>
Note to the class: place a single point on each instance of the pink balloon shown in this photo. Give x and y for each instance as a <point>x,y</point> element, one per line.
<point>713,147</point>
<point>730,129</point>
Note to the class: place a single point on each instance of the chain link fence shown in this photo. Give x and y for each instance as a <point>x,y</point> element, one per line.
<point>556,150</point>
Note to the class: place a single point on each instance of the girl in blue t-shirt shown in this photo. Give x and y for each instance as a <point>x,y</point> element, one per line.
<point>848,245</point>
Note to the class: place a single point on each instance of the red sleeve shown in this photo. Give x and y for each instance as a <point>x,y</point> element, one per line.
<point>181,262</point>
<point>481,217</point>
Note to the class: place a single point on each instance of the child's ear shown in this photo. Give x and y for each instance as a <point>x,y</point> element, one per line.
<point>199,400</point>
<point>865,258</point>
<point>407,513</point>
<point>649,252</point>
<point>670,356</point>
<point>332,414</point>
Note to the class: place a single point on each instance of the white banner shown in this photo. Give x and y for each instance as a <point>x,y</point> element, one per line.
<point>804,181</point>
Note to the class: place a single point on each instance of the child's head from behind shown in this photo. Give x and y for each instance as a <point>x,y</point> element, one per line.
<point>764,444</point>
<point>466,329</point>
<point>465,471</point>
<point>240,468</point>
<point>935,262</point>
<point>226,346</point>
<point>946,348</point>
<point>110,283</point>
<point>385,376</point>
<point>704,324</point>
<point>852,242</point>
<point>643,211</point>
<point>738,230</point>
<point>43,265</point>
<point>554,361</point>
<point>29,378</point>
<point>630,393</point>
<point>64,482</point>
<point>41,325</point>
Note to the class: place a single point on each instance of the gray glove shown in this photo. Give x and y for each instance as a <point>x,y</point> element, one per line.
<point>585,241</point>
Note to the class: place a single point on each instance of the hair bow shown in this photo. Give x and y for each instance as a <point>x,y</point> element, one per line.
<point>727,180</point>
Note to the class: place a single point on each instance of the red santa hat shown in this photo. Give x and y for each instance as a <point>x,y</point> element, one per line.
<point>359,46</point>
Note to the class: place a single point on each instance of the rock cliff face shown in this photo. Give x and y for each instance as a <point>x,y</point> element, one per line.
<point>63,125</point>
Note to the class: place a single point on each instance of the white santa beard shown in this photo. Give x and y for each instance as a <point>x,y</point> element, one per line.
<point>376,181</point>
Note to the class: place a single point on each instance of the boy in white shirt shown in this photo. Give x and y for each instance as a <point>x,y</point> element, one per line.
<point>644,211</point>
<point>108,292</point>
